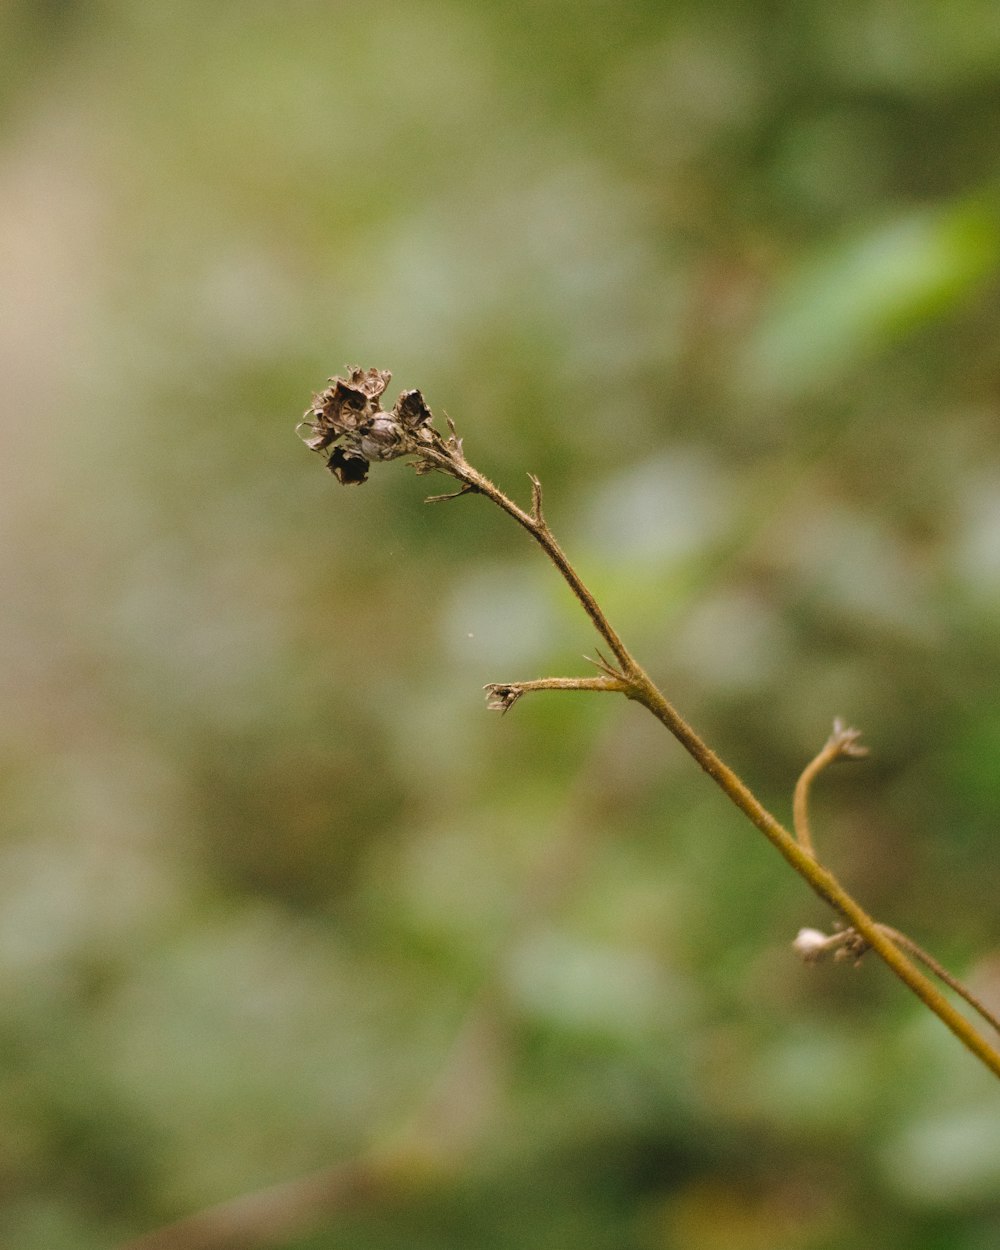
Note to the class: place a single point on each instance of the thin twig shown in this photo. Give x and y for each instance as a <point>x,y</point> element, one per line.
<point>501,696</point>
<point>842,744</point>
<point>272,1215</point>
<point>536,525</point>
<point>942,974</point>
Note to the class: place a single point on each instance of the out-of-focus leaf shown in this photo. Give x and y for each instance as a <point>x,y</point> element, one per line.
<point>947,1159</point>
<point>839,307</point>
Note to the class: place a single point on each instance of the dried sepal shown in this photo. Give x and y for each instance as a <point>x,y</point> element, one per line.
<point>536,500</point>
<point>844,740</point>
<point>348,467</point>
<point>411,410</point>
<point>501,697</point>
<point>453,442</point>
<point>605,665</point>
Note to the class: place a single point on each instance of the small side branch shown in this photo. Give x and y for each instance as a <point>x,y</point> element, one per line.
<point>847,943</point>
<point>501,696</point>
<point>841,744</point>
<point>942,974</point>
<point>536,501</point>
<point>467,489</point>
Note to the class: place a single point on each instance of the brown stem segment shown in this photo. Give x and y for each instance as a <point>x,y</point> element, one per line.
<point>942,974</point>
<point>538,528</point>
<point>823,882</point>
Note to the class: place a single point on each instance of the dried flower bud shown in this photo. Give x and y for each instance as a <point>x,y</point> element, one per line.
<point>811,944</point>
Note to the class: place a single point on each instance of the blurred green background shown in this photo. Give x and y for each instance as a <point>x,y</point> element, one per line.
<point>726,277</point>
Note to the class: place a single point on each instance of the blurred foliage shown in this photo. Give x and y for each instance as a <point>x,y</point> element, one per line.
<point>725,276</point>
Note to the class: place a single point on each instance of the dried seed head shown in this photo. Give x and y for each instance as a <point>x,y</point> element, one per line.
<point>348,418</point>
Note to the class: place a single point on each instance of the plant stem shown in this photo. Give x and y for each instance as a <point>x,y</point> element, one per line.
<point>636,684</point>
<point>942,974</point>
<point>536,526</point>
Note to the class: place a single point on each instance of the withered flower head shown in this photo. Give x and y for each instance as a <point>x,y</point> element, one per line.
<point>348,417</point>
